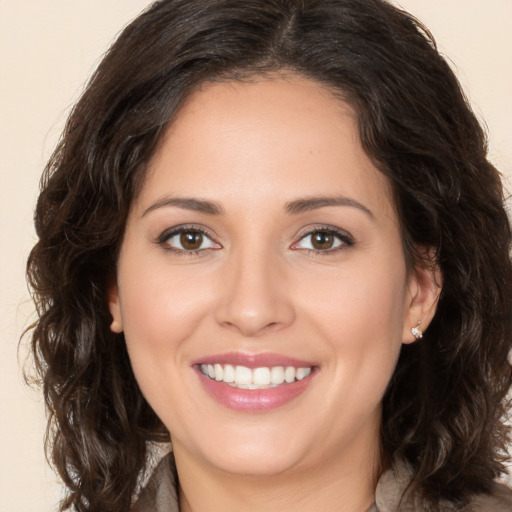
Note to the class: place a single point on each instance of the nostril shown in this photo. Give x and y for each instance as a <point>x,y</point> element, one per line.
<point>252,303</point>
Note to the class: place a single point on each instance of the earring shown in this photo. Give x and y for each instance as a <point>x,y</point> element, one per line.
<point>417,332</point>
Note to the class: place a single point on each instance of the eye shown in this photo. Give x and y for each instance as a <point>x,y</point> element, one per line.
<point>188,240</point>
<point>324,240</point>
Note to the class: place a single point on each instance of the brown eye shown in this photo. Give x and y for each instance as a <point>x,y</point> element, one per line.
<point>188,241</point>
<point>191,240</point>
<point>322,240</point>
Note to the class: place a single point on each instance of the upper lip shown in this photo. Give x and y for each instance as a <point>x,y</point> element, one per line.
<point>266,359</point>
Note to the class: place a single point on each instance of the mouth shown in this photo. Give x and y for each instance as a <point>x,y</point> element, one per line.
<point>254,383</point>
<point>264,377</point>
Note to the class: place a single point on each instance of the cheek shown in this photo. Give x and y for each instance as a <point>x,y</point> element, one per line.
<point>160,309</point>
<point>361,319</point>
<point>160,313</point>
<point>365,300</point>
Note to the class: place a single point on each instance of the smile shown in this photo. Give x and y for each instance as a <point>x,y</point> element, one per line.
<point>242,377</point>
<point>254,383</point>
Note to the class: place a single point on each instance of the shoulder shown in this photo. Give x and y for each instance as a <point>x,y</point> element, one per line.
<point>160,492</point>
<point>498,500</point>
<point>392,496</point>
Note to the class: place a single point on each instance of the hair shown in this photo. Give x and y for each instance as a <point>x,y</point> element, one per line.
<point>444,409</point>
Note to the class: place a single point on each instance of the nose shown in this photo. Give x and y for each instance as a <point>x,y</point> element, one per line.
<point>254,298</point>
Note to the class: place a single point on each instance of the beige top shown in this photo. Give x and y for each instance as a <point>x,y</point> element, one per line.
<point>160,494</point>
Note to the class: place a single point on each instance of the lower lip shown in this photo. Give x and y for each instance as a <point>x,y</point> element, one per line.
<point>254,400</point>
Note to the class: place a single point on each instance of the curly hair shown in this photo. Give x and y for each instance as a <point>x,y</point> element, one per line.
<point>444,408</point>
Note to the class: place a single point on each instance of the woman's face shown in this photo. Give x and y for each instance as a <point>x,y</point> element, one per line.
<point>264,248</point>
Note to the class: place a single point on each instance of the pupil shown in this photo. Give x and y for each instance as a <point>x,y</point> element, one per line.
<point>322,240</point>
<point>191,240</point>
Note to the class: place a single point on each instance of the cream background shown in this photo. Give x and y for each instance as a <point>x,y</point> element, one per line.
<point>48,48</point>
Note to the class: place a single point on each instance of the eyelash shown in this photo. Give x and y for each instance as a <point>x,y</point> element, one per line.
<point>168,234</point>
<point>345,238</point>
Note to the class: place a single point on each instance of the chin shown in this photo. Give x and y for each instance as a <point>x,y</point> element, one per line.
<point>258,455</point>
<point>255,463</point>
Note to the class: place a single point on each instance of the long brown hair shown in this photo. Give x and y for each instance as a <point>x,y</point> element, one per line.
<point>444,408</point>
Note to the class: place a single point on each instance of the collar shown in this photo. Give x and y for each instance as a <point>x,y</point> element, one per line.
<point>160,493</point>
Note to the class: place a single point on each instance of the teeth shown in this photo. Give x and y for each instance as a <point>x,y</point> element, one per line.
<point>302,373</point>
<point>277,375</point>
<point>257,378</point>
<point>289,374</point>
<point>229,374</point>
<point>243,375</point>
<point>261,376</point>
<point>219,372</point>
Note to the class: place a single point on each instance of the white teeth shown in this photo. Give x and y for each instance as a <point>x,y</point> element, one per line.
<point>289,374</point>
<point>261,376</point>
<point>277,375</point>
<point>243,375</point>
<point>302,372</point>
<point>219,372</point>
<point>257,378</point>
<point>229,373</point>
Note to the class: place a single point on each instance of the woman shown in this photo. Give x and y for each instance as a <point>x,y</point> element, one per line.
<point>256,211</point>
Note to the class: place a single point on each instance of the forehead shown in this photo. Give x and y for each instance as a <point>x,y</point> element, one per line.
<point>268,137</point>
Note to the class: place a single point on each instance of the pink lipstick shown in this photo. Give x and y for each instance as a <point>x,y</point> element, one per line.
<point>254,382</point>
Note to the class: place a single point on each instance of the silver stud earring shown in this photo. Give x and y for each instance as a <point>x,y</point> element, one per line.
<point>417,332</point>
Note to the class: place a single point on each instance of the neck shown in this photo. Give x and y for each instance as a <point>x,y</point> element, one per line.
<point>340,485</point>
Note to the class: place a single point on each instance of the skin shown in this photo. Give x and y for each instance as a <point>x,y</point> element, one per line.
<point>252,148</point>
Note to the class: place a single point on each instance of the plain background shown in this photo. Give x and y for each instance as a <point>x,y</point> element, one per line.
<point>48,49</point>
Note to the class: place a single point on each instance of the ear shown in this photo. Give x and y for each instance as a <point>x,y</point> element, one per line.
<point>424,288</point>
<point>114,307</point>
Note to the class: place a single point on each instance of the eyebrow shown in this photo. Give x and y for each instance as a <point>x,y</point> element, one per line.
<point>186,203</point>
<point>293,207</point>
<point>313,203</point>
